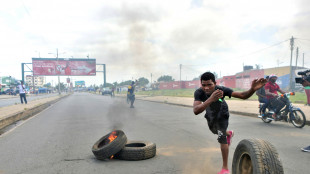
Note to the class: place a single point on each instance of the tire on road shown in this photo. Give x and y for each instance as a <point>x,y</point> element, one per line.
<point>300,119</point>
<point>103,150</point>
<point>255,156</point>
<point>137,150</point>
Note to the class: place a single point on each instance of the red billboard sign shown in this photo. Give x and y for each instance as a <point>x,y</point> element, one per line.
<point>63,67</point>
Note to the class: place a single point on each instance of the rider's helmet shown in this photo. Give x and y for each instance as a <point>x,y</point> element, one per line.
<point>273,77</point>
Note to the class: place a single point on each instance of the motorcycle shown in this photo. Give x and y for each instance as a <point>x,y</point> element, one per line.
<point>292,115</point>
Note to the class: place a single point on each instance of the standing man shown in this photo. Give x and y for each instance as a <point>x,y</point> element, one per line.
<point>306,83</point>
<point>210,97</point>
<point>22,92</point>
<point>131,93</point>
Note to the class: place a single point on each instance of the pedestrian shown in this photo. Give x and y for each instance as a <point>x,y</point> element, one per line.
<point>22,92</point>
<point>306,83</point>
<point>210,97</point>
<point>131,93</point>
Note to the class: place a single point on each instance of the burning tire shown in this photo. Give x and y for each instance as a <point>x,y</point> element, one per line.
<point>137,150</point>
<point>109,145</point>
<point>254,156</point>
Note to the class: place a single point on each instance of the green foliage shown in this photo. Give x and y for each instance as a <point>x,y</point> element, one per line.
<point>48,85</point>
<point>299,97</point>
<point>165,78</point>
<point>126,83</point>
<point>143,81</point>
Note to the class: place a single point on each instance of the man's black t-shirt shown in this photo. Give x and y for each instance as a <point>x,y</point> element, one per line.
<point>217,111</point>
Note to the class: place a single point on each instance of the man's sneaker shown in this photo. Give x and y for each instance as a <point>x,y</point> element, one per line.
<point>229,137</point>
<point>224,171</point>
<point>306,149</point>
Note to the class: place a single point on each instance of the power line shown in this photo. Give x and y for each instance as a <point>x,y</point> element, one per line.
<point>303,39</point>
<point>262,49</point>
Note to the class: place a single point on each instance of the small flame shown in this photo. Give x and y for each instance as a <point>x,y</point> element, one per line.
<point>112,136</point>
<point>111,156</point>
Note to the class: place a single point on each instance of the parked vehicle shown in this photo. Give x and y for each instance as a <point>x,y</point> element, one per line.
<point>107,91</point>
<point>294,115</point>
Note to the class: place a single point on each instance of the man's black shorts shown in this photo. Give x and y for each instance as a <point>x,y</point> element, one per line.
<point>219,128</point>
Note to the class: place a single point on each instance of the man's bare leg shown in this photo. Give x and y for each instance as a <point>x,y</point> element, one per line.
<point>225,151</point>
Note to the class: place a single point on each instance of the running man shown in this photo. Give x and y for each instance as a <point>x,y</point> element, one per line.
<point>210,97</point>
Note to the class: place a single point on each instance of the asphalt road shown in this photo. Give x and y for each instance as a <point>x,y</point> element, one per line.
<point>11,101</point>
<point>59,139</point>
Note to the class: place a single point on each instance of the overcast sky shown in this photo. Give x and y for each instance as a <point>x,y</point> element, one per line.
<point>138,37</point>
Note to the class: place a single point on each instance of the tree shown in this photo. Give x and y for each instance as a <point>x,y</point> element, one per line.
<point>165,78</point>
<point>143,81</point>
<point>126,83</point>
<point>62,86</point>
<point>48,85</point>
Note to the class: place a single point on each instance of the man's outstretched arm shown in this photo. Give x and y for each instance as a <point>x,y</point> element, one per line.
<point>256,84</point>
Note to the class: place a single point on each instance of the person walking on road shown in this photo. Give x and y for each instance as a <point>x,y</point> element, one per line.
<point>131,93</point>
<point>210,97</point>
<point>22,92</point>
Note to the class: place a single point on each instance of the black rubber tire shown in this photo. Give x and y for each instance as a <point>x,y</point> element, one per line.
<point>300,119</point>
<point>104,151</point>
<point>137,150</point>
<point>255,156</point>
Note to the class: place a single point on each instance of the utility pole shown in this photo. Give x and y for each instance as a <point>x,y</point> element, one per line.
<point>151,79</point>
<point>303,59</point>
<point>297,50</point>
<point>180,74</point>
<point>291,73</point>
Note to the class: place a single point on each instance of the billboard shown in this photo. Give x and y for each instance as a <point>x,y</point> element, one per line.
<point>79,83</point>
<point>63,67</point>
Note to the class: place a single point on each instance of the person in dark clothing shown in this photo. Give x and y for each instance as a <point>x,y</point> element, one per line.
<point>131,93</point>
<point>22,92</point>
<point>262,99</point>
<point>210,98</point>
<point>306,83</point>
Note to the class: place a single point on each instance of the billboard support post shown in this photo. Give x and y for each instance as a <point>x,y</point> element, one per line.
<point>104,75</point>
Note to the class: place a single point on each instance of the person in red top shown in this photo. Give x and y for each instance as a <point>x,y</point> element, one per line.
<point>271,89</point>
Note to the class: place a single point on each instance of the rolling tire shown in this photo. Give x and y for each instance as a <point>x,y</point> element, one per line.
<point>255,156</point>
<point>137,150</point>
<point>103,150</point>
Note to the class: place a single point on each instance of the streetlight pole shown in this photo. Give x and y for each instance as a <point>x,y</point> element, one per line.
<point>58,75</point>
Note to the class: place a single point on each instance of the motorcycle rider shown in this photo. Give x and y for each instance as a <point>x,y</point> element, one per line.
<point>272,89</point>
<point>262,98</point>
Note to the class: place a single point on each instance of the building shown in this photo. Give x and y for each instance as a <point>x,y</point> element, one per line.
<point>243,80</point>
<point>39,81</point>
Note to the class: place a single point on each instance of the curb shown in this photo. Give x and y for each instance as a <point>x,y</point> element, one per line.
<point>23,115</point>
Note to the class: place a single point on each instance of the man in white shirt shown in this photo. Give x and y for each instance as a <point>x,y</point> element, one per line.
<point>22,92</point>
